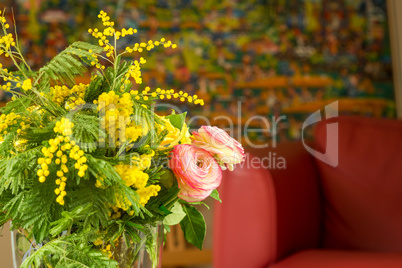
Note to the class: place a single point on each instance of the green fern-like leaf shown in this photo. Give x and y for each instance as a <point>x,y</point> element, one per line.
<point>68,251</point>
<point>87,132</point>
<point>99,167</point>
<point>65,66</point>
<point>35,209</point>
<point>147,119</point>
<point>95,88</point>
<point>55,247</point>
<point>97,198</point>
<point>82,255</point>
<point>119,76</point>
<point>37,135</point>
<point>8,144</point>
<point>15,176</point>
<point>16,105</point>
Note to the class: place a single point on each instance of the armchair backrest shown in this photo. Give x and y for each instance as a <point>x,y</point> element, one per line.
<point>363,194</point>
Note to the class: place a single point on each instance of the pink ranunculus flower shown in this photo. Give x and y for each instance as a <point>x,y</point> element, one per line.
<point>196,170</point>
<point>223,147</point>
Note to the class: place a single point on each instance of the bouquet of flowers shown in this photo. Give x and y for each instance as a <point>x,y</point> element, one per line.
<point>85,168</point>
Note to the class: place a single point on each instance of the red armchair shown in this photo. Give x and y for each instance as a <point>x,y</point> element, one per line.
<point>310,214</point>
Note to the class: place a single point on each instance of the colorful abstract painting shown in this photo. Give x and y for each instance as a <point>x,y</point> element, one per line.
<point>248,59</point>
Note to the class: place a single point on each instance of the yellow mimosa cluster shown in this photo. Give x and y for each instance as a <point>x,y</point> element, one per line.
<point>168,94</point>
<point>106,248</point>
<point>95,60</point>
<point>19,145</point>
<point>134,72</point>
<point>6,42</point>
<point>59,93</point>
<point>7,120</point>
<point>64,153</point>
<point>133,177</point>
<point>143,161</point>
<point>6,76</point>
<point>27,84</point>
<point>13,81</point>
<point>115,114</point>
<point>109,31</point>
<point>150,45</point>
<point>69,98</point>
<point>147,192</point>
<point>64,127</point>
<point>9,49</point>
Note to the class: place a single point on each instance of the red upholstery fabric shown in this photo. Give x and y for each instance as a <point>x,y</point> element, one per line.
<point>297,198</point>
<point>340,259</point>
<point>273,218</point>
<point>363,194</point>
<point>245,223</point>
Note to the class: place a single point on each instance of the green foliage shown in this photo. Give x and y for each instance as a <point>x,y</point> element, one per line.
<point>109,76</point>
<point>51,248</point>
<point>8,144</point>
<point>13,175</point>
<point>67,64</point>
<point>122,69</point>
<point>96,87</point>
<point>177,120</point>
<point>5,198</point>
<point>111,79</point>
<point>69,251</point>
<point>3,218</point>
<point>87,132</point>
<point>36,135</point>
<point>193,226</point>
<point>176,216</point>
<point>167,179</point>
<point>215,195</point>
<point>147,119</point>
<point>16,105</point>
<point>96,199</point>
<point>166,198</point>
<point>126,228</point>
<point>33,210</point>
<point>68,218</point>
<point>112,179</point>
<point>99,167</point>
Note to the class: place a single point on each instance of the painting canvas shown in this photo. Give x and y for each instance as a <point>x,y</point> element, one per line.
<point>265,60</point>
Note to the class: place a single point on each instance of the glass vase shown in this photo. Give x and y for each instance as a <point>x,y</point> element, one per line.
<point>144,253</point>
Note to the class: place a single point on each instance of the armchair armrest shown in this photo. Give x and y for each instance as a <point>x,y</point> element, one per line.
<point>244,224</point>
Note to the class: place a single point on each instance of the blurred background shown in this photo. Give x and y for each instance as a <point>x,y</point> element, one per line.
<point>276,57</point>
<point>244,58</point>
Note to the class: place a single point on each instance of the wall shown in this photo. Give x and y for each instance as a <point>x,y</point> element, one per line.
<point>395,23</point>
<point>6,260</point>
